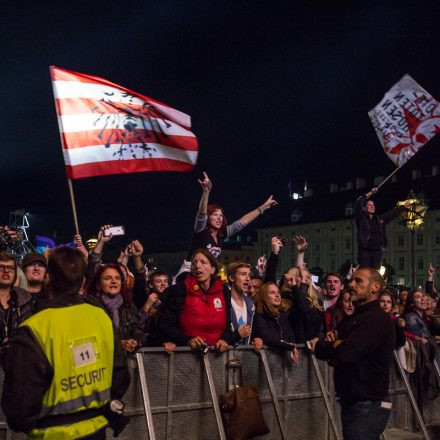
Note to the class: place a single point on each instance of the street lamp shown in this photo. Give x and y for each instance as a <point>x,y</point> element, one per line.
<point>413,220</point>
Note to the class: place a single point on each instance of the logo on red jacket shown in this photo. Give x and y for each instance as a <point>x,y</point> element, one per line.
<point>218,303</point>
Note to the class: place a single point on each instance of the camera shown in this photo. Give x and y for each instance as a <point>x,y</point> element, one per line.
<point>156,304</point>
<point>204,348</point>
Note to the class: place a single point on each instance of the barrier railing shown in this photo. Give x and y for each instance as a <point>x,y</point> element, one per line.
<point>174,396</point>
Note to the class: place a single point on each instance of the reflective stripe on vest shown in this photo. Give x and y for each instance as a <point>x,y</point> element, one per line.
<point>78,343</point>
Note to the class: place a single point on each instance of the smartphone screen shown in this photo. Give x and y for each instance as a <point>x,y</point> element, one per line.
<point>114,230</point>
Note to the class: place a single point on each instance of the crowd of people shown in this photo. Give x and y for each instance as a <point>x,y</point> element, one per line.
<point>252,307</point>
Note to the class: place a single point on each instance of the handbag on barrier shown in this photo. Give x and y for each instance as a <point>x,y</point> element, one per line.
<point>241,409</point>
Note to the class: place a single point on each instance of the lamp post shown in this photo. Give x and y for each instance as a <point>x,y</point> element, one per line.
<point>413,220</point>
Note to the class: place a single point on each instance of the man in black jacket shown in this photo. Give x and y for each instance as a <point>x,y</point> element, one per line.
<point>15,303</point>
<point>371,229</point>
<point>362,359</point>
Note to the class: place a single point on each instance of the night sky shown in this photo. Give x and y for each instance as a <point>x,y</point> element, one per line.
<point>277,91</point>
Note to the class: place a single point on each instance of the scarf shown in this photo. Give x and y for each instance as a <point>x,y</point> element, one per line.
<point>113,303</point>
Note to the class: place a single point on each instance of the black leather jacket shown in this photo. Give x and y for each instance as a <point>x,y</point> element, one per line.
<point>363,224</point>
<point>20,308</point>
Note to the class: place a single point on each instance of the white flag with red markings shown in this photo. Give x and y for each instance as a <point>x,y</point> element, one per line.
<point>108,129</point>
<point>405,120</point>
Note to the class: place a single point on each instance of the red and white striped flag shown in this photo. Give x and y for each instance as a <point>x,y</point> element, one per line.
<point>108,129</point>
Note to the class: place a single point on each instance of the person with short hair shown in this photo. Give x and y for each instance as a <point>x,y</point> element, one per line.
<point>371,229</point>
<point>151,309</point>
<point>65,365</point>
<point>15,302</point>
<point>242,310</point>
<point>34,267</point>
<point>255,285</point>
<point>362,361</point>
<point>333,285</point>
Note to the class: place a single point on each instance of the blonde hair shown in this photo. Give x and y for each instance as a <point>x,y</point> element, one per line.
<point>311,291</point>
<point>21,280</point>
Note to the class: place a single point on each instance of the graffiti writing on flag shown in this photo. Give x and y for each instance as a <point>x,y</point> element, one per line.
<point>405,120</point>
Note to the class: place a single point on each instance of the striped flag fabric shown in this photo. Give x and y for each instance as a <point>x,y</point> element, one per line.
<point>108,129</point>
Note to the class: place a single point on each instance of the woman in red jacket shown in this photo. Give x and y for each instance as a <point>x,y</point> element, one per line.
<point>197,310</point>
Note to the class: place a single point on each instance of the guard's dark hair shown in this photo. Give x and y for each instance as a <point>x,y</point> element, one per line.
<point>66,268</point>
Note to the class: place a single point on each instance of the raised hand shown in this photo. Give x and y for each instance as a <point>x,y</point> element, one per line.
<point>206,184</point>
<point>136,248</point>
<point>300,243</point>
<point>77,241</point>
<point>268,204</point>
<point>103,238</point>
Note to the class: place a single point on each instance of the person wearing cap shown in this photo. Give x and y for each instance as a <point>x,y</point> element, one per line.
<point>34,268</point>
<point>15,303</point>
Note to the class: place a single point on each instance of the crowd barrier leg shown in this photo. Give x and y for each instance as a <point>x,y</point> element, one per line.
<point>411,397</point>
<point>146,397</point>
<point>436,368</point>
<point>214,398</point>
<point>169,425</point>
<point>273,394</point>
<point>324,393</point>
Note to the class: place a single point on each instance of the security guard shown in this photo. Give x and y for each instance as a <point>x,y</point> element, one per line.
<point>64,369</point>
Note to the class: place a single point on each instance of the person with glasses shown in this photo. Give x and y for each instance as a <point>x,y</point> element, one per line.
<point>15,303</point>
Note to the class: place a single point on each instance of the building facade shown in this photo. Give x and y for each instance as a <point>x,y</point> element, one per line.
<point>333,245</point>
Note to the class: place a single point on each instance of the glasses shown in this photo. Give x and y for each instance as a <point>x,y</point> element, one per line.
<point>4,268</point>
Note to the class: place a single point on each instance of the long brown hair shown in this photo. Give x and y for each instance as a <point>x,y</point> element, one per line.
<point>263,303</point>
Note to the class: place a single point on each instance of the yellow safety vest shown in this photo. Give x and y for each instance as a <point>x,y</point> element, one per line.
<point>78,342</point>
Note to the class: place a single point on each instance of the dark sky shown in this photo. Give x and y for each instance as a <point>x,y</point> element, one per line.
<point>276,91</point>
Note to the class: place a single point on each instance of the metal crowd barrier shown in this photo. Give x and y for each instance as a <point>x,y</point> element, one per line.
<point>174,396</point>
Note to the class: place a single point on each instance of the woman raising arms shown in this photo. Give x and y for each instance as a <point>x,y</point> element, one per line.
<point>211,226</point>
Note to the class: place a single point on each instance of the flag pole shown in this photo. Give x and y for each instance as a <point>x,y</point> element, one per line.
<point>72,201</point>
<point>69,181</point>
<point>388,177</point>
